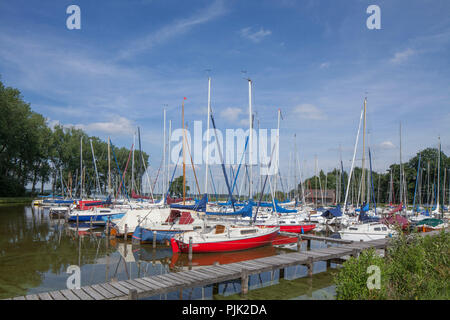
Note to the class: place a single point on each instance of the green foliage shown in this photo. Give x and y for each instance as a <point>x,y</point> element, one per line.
<point>176,188</point>
<point>31,152</point>
<point>416,267</point>
<point>351,281</point>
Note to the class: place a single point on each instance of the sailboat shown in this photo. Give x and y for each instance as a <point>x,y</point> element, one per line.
<point>224,238</point>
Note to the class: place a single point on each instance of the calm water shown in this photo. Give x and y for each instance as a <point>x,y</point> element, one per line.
<point>35,252</point>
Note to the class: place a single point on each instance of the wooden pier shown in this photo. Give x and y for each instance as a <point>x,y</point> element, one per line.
<point>209,275</point>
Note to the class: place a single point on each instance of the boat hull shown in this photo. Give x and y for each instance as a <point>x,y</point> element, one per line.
<point>226,245</point>
<point>292,228</point>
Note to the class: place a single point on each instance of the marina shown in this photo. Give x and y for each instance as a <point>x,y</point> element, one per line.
<point>224,150</point>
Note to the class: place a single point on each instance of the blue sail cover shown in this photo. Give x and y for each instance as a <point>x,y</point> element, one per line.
<point>200,206</point>
<point>244,212</point>
<point>331,213</point>
<point>281,209</point>
<point>363,217</point>
<point>366,208</point>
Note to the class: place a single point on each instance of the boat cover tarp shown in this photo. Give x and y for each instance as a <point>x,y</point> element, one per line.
<point>430,222</point>
<point>332,213</point>
<point>176,200</point>
<point>244,212</point>
<point>200,206</point>
<point>395,219</point>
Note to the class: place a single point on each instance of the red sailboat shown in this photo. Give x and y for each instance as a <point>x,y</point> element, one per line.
<point>224,238</point>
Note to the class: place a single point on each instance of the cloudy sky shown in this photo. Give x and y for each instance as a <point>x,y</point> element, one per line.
<point>315,60</point>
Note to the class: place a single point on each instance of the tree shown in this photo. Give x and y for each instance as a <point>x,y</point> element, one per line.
<point>176,188</point>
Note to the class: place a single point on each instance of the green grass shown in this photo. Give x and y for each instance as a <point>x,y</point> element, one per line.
<point>16,200</point>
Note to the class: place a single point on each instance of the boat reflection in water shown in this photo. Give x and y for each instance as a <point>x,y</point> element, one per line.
<point>181,260</point>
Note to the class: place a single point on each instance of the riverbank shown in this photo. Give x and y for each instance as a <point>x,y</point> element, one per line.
<point>14,200</point>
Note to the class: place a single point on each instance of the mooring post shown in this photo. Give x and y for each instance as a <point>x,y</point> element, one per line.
<point>190,249</point>
<point>355,253</point>
<point>132,294</point>
<point>244,281</point>
<point>310,266</point>
<point>308,247</point>
<point>77,222</point>
<point>107,227</point>
<point>125,235</point>
<point>281,273</point>
<point>299,243</point>
<point>154,239</point>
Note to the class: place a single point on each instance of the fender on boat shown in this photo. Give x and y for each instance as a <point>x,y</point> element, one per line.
<point>174,244</point>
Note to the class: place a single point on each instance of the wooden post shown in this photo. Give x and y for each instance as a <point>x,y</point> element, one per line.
<point>125,235</point>
<point>244,281</point>
<point>154,239</point>
<point>299,243</point>
<point>281,273</point>
<point>107,228</point>
<point>132,294</point>
<point>355,253</point>
<point>190,249</point>
<point>328,263</point>
<point>310,267</point>
<point>308,244</point>
<point>77,223</point>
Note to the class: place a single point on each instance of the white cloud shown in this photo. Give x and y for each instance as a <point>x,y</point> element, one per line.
<point>117,125</point>
<point>255,36</point>
<point>387,145</point>
<point>324,65</point>
<point>309,111</point>
<point>402,56</point>
<point>231,114</point>
<point>173,29</point>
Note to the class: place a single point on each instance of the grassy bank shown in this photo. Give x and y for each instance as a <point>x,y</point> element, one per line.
<point>11,200</point>
<point>415,268</point>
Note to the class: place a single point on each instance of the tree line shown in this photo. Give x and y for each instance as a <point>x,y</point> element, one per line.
<point>385,187</point>
<point>33,153</point>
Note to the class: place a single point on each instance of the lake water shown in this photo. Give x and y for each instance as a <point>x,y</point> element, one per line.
<point>36,252</point>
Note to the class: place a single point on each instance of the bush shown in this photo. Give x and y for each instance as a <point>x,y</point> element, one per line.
<point>415,267</point>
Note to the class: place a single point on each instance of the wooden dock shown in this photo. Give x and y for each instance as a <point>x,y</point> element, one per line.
<point>171,282</point>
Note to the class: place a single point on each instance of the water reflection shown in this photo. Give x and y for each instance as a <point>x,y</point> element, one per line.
<point>35,252</point>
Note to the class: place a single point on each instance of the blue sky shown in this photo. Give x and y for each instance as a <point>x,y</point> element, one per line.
<point>316,60</point>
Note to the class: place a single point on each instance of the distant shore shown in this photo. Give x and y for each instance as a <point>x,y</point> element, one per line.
<point>11,200</point>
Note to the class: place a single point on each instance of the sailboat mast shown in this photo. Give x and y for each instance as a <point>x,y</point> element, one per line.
<point>250,150</point>
<point>81,168</point>
<point>184,156</point>
<point>168,160</point>
<point>401,168</point>
<point>364,153</point>
<point>207,136</point>
<point>438,176</point>
<point>109,167</point>
<point>164,153</point>
<point>132,163</point>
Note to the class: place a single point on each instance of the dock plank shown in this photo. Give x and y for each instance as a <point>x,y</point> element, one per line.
<point>111,289</point>
<point>81,294</point>
<point>57,295</point>
<point>69,294</point>
<point>105,293</point>
<point>93,293</point>
<point>32,297</point>
<point>44,296</point>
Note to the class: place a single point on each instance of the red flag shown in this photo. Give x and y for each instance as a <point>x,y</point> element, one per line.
<point>184,98</point>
